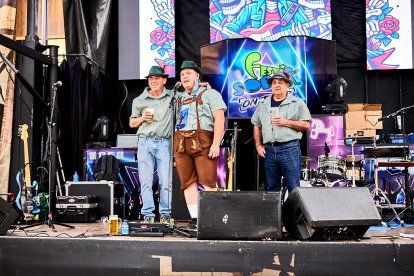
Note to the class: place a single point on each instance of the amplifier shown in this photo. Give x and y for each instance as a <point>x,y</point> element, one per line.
<point>110,195</point>
<point>76,208</point>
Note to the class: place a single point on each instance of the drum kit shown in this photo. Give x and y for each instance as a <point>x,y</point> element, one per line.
<point>332,171</point>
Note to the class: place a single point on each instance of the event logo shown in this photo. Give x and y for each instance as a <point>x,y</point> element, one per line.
<point>257,74</point>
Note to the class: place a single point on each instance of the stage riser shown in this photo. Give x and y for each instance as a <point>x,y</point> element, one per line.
<point>43,256</point>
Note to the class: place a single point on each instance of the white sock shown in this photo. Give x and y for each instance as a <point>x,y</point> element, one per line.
<point>193,209</point>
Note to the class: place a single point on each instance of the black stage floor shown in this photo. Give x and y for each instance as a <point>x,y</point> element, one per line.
<point>89,250</point>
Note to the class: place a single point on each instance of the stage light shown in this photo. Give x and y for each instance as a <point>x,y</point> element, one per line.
<point>336,91</point>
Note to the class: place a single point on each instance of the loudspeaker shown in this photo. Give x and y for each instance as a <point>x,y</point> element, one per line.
<point>243,215</point>
<point>329,213</point>
<point>7,216</point>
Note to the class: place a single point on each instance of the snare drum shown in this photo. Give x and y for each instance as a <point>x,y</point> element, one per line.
<point>332,166</point>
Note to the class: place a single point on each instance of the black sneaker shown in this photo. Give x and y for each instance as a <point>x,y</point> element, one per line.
<point>192,225</point>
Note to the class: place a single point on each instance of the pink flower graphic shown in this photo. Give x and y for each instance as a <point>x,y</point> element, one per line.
<point>171,33</point>
<point>389,25</point>
<point>158,37</point>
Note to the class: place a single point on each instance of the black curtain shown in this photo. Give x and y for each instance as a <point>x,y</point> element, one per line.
<point>83,99</point>
<point>76,112</point>
<point>88,89</point>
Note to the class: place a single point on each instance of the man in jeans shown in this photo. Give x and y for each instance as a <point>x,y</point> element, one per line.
<point>278,122</point>
<point>151,114</point>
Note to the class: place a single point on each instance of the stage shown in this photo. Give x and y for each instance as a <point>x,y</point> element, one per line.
<point>89,250</point>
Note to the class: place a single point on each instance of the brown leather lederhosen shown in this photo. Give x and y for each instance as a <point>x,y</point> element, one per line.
<point>191,148</point>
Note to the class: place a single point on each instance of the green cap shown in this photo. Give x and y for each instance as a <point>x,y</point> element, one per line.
<point>156,71</point>
<point>190,64</point>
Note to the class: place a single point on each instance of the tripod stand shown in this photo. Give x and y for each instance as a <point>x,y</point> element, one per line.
<point>377,191</point>
<point>353,160</point>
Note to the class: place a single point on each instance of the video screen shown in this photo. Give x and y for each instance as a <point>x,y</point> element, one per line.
<point>239,68</point>
<point>269,20</point>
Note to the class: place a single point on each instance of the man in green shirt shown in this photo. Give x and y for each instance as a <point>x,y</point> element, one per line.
<point>278,124</point>
<point>151,114</point>
<point>200,127</point>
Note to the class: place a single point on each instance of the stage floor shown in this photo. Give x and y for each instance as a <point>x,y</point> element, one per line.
<point>88,248</point>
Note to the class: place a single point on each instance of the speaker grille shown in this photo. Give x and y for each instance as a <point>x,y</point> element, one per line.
<point>329,213</point>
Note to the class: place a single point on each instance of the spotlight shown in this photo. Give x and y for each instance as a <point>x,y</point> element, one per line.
<point>336,91</point>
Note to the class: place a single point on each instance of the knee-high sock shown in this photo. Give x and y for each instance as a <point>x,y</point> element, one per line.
<point>193,209</point>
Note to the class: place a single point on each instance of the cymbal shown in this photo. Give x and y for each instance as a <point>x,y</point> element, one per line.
<point>307,159</point>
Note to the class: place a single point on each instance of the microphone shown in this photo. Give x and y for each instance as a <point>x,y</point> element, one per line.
<point>382,119</point>
<point>58,83</point>
<point>176,86</point>
<point>327,150</point>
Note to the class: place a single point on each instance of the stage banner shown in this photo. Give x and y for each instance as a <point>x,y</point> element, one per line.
<point>269,20</point>
<point>239,68</point>
<point>146,37</point>
<point>389,34</point>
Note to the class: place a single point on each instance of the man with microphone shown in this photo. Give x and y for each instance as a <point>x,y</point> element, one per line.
<point>152,114</point>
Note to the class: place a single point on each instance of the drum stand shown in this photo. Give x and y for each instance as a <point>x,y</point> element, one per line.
<point>377,191</point>
<point>353,162</point>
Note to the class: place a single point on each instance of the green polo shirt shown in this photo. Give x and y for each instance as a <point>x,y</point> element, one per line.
<point>161,125</point>
<point>212,101</point>
<point>292,108</point>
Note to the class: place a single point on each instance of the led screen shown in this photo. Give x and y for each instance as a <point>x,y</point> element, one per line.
<point>239,68</point>
<point>269,20</point>
<point>328,129</point>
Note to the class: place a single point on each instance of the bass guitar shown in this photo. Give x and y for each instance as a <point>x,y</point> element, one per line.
<point>26,199</point>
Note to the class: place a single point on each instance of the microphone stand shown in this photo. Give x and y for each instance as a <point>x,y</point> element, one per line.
<point>52,135</point>
<point>392,115</point>
<point>172,108</point>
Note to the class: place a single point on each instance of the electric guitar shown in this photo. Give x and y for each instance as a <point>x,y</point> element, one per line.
<point>324,19</point>
<point>26,199</point>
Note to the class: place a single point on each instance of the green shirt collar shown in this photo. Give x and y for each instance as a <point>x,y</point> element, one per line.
<point>146,93</point>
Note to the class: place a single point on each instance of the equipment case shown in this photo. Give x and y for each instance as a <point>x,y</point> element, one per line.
<point>110,195</point>
<point>76,208</point>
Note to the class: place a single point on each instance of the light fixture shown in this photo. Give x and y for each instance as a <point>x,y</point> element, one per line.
<point>336,91</point>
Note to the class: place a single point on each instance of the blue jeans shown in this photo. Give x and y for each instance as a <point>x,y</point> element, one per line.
<point>154,152</point>
<point>283,160</point>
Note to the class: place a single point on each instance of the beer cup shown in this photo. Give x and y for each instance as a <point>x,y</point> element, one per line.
<point>150,110</point>
<point>114,223</point>
<point>274,112</point>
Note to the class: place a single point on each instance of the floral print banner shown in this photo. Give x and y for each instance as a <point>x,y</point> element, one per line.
<point>157,35</point>
<point>389,34</point>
